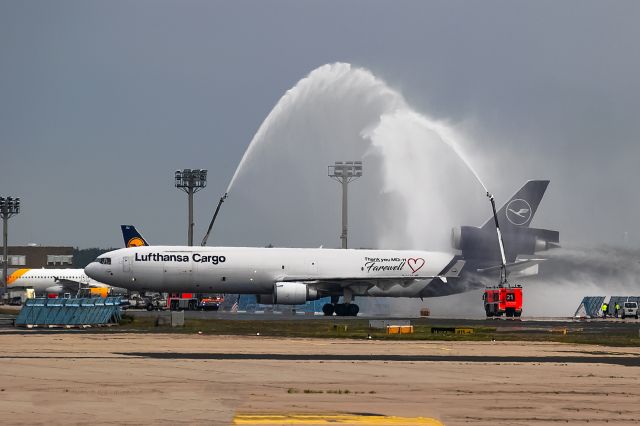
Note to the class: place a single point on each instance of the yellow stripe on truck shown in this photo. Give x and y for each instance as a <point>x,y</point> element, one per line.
<point>16,274</point>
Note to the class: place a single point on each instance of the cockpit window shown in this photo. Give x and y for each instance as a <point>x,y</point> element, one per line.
<point>105,260</point>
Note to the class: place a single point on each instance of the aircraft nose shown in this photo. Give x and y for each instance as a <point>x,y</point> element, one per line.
<point>92,270</point>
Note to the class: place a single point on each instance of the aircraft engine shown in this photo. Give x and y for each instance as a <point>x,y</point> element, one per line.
<point>53,289</point>
<point>456,238</point>
<point>293,293</point>
<point>264,299</point>
<point>462,237</point>
<point>478,243</point>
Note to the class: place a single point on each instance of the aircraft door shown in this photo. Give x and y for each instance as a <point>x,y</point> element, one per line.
<point>126,264</point>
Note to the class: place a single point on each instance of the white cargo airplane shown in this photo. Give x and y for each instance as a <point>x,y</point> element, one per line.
<point>296,275</point>
<point>60,281</point>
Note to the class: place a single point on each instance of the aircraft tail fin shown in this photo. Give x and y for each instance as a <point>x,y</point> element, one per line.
<point>132,237</point>
<point>514,217</point>
<point>518,212</point>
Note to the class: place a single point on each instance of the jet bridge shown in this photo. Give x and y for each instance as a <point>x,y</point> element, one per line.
<point>77,312</point>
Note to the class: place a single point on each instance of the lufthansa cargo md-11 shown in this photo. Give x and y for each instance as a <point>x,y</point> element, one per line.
<point>296,275</point>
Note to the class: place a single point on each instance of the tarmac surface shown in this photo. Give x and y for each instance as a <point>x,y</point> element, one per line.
<point>127,378</point>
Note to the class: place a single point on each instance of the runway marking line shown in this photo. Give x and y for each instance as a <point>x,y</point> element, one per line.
<point>334,419</point>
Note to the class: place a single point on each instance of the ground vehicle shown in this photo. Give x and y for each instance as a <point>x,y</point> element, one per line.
<point>503,300</point>
<point>182,301</point>
<point>138,302</point>
<point>210,303</point>
<point>630,309</point>
<point>157,304</point>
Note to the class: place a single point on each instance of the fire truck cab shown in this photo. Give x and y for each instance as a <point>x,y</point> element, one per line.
<point>503,300</point>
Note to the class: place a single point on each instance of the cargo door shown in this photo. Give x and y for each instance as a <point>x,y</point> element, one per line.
<point>305,267</point>
<point>178,275</point>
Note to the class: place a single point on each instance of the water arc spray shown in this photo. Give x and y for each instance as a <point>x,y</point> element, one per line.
<point>339,110</point>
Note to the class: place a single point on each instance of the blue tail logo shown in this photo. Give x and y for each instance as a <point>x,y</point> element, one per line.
<point>132,237</point>
<point>518,211</point>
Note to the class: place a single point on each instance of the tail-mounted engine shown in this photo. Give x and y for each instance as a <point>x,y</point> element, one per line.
<point>480,243</point>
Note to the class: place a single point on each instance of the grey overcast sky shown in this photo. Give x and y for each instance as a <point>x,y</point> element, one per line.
<point>100,101</point>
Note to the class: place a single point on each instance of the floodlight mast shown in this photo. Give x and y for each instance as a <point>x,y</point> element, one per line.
<point>9,207</point>
<point>190,181</point>
<point>345,172</point>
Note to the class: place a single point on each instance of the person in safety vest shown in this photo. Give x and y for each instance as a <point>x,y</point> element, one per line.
<point>617,309</point>
<point>605,307</point>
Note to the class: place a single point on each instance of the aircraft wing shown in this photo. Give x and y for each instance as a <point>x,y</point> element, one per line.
<point>517,266</point>
<point>337,284</point>
<point>70,286</point>
<point>362,285</point>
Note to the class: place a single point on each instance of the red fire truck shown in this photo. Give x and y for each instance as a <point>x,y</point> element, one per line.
<point>503,300</point>
<point>182,301</point>
<point>192,302</point>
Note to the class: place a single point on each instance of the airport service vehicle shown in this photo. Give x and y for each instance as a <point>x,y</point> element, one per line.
<point>503,300</point>
<point>182,301</point>
<point>296,275</point>
<point>630,309</point>
<point>210,303</point>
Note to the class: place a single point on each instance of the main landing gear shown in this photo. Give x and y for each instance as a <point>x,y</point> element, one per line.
<point>340,309</point>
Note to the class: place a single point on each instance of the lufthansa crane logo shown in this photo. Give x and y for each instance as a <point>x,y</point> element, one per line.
<point>518,212</point>
<point>135,242</point>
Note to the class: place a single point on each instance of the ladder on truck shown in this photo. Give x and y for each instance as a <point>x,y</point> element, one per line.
<point>505,298</point>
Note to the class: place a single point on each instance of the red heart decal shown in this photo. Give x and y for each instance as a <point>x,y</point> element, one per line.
<point>415,264</point>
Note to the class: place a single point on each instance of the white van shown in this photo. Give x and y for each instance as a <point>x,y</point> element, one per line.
<point>630,309</point>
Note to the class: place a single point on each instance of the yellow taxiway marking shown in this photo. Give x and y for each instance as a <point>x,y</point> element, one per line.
<point>334,419</point>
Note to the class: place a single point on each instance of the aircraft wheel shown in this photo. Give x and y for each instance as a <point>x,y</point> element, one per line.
<point>149,307</point>
<point>327,309</point>
<point>340,309</point>
<point>352,310</point>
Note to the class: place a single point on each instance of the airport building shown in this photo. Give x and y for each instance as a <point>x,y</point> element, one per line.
<point>36,257</point>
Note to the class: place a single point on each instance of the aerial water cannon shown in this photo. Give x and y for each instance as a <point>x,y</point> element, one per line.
<point>505,299</point>
<point>503,267</point>
<point>213,219</point>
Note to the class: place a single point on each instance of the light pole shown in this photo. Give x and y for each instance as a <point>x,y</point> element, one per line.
<point>9,207</point>
<point>345,172</point>
<point>191,181</point>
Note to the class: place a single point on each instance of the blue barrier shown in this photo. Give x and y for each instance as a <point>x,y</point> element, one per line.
<point>591,306</point>
<point>70,312</point>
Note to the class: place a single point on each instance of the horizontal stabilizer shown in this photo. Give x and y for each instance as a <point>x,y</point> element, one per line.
<point>518,265</point>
